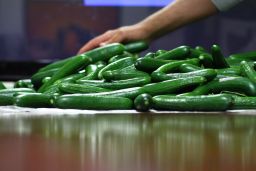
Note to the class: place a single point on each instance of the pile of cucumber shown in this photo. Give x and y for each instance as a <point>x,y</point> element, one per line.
<point>115,77</point>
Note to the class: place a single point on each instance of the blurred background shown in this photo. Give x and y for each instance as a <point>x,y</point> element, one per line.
<point>36,32</point>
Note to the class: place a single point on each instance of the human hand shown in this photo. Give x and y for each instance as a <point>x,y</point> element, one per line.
<point>122,34</point>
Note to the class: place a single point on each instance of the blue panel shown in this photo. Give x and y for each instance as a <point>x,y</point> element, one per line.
<point>127,2</point>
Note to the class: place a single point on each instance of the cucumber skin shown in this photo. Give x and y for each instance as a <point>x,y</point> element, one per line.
<point>172,86</point>
<point>136,47</point>
<point>72,88</point>
<point>248,71</point>
<point>219,60</point>
<point>180,52</point>
<point>34,100</point>
<point>235,84</point>
<point>188,68</point>
<point>2,86</point>
<point>143,102</point>
<point>209,74</point>
<point>119,84</point>
<point>219,102</point>
<point>130,93</point>
<point>82,101</point>
<point>243,102</point>
<point>7,95</point>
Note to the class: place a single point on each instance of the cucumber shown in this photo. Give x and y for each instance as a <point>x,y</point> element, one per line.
<point>12,91</point>
<point>200,48</point>
<point>7,95</point>
<point>55,65</point>
<point>119,84</point>
<point>25,83</point>
<point>229,71</point>
<point>248,71</point>
<point>150,55</point>
<point>243,102</point>
<point>160,52</point>
<point>180,52</point>
<point>172,86</point>
<point>80,88</point>
<point>245,56</point>
<point>143,102</point>
<point>118,57</point>
<point>150,64</point>
<point>6,99</point>
<point>69,68</point>
<point>209,74</point>
<point>136,47</point>
<point>188,68</point>
<point>34,100</point>
<point>218,102</point>
<point>233,84</point>
<point>123,74</point>
<point>92,72</point>
<point>219,60</point>
<point>83,101</point>
<point>174,66</point>
<point>206,60</point>
<point>37,78</point>
<point>95,55</point>
<point>130,93</point>
<point>122,63</point>
<point>236,61</point>
<point>2,86</point>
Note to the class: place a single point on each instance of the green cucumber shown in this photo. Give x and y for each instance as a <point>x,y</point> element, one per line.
<point>233,84</point>
<point>7,95</point>
<point>67,69</point>
<point>188,68</point>
<point>2,86</point>
<point>229,71</point>
<point>174,66</point>
<point>209,74</point>
<point>6,99</point>
<point>37,78</point>
<point>80,88</point>
<point>206,60</point>
<point>248,71</point>
<point>55,64</point>
<point>200,48</point>
<point>180,52</point>
<point>243,102</point>
<point>150,55</point>
<point>92,72</point>
<point>130,93</point>
<point>245,56</point>
<point>123,74</point>
<point>119,84</point>
<point>122,63</point>
<point>136,47</point>
<point>83,101</point>
<point>218,102</point>
<point>118,57</point>
<point>143,102</point>
<point>219,60</point>
<point>150,64</point>
<point>34,100</point>
<point>172,86</point>
<point>25,83</point>
<point>160,52</point>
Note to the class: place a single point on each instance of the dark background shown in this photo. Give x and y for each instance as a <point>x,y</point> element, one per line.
<point>36,32</point>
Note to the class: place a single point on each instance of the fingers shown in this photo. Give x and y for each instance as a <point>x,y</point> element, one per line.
<point>96,42</point>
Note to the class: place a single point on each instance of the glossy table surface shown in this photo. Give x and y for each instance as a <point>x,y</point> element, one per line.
<point>128,142</point>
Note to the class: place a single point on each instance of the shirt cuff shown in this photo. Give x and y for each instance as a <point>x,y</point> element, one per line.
<point>224,5</point>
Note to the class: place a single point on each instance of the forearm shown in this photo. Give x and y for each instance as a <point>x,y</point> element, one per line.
<point>175,15</point>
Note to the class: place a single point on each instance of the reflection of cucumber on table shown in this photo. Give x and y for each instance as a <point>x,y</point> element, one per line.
<point>116,77</point>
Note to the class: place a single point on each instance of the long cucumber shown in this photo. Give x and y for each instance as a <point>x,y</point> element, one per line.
<point>219,102</point>
<point>83,101</point>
